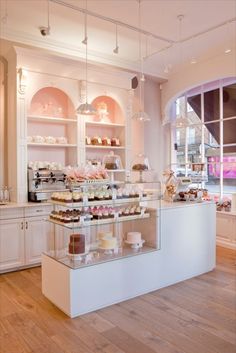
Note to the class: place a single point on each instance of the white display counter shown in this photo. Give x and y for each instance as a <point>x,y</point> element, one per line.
<point>187,244</point>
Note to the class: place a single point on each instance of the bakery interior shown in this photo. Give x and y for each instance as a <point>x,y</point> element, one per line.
<point>117,176</point>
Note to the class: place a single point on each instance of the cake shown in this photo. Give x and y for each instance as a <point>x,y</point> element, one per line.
<point>77,244</point>
<point>108,242</point>
<point>115,142</point>
<point>101,235</point>
<point>134,237</point>
<point>106,141</point>
<point>140,167</point>
<point>111,165</point>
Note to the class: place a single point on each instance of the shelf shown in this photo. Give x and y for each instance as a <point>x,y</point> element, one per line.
<point>101,258</point>
<point>105,147</point>
<point>103,202</point>
<point>50,119</point>
<point>98,123</point>
<point>35,144</point>
<point>116,170</point>
<point>100,221</point>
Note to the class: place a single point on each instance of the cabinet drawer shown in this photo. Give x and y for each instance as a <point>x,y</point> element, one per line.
<point>38,210</point>
<point>10,213</point>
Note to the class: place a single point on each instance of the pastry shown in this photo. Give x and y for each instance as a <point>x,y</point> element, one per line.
<point>140,167</point>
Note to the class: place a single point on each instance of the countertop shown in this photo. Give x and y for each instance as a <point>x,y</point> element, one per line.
<point>164,204</point>
<point>23,205</point>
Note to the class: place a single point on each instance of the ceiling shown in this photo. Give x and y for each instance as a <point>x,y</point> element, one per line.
<point>210,26</point>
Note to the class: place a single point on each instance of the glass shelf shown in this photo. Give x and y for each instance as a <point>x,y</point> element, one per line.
<point>106,202</point>
<point>97,256</point>
<point>50,119</point>
<point>35,144</point>
<point>99,123</point>
<point>100,147</point>
<point>99,222</point>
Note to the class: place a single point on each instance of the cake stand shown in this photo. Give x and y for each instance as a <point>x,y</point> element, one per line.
<point>135,245</point>
<point>78,257</point>
<point>108,251</point>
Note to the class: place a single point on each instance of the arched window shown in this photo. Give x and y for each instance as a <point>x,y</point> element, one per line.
<point>205,137</point>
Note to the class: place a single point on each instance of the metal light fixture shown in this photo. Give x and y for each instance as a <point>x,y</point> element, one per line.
<point>116,49</point>
<point>141,115</point>
<point>45,31</point>
<point>86,108</point>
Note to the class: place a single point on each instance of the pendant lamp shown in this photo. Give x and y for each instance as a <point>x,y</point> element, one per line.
<point>140,115</point>
<point>86,108</point>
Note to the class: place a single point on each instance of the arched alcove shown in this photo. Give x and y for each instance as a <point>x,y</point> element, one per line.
<point>113,114</point>
<point>51,101</point>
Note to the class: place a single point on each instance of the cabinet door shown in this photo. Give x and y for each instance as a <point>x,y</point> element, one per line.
<point>37,239</point>
<point>11,244</point>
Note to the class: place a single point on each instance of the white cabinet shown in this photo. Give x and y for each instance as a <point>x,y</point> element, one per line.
<point>23,236</point>
<point>11,244</point>
<point>37,239</point>
<point>226,229</point>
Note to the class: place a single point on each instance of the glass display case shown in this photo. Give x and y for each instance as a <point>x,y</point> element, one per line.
<point>99,221</point>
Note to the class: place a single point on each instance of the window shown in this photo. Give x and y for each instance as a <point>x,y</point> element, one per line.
<point>209,137</point>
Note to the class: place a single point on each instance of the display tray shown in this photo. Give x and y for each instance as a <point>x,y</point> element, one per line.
<point>98,256</point>
<point>99,221</point>
<point>104,202</point>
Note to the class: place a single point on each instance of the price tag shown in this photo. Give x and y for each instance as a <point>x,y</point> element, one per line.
<point>85,199</point>
<point>116,215</point>
<point>114,194</point>
<point>82,219</point>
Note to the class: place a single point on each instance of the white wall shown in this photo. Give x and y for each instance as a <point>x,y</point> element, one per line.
<point>3,149</point>
<point>156,136</point>
<point>194,75</point>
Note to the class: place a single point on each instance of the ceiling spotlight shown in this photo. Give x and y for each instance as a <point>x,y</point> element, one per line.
<point>85,40</point>
<point>45,30</point>
<point>167,69</point>
<point>227,50</point>
<point>116,50</point>
<point>193,61</point>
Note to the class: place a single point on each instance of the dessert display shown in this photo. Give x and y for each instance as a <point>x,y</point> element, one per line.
<point>140,167</point>
<point>102,141</point>
<point>88,173</point>
<point>103,112</point>
<point>140,163</point>
<point>224,206</point>
<point>112,161</point>
<point>134,237</point>
<point>108,242</point>
<point>115,142</point>
<point>96,140</point>
<point>47,139</point>
<point>88,140</point>
<point>171,184</point>
<point>95,213</point>
<point>77,244</point>
<point>106,141</point>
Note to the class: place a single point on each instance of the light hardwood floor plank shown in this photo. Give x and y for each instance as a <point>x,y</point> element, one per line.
<point>194,316</point>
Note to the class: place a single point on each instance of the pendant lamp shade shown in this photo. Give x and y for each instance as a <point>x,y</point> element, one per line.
<point>86,108</point>
<point>141,116</point>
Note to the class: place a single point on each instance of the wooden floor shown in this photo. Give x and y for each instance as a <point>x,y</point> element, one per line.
<point>195,316</point>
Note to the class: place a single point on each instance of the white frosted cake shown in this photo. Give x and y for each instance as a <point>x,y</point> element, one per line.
<point>108,242</point>
<point>134,237</point>
<point>101,235</point>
